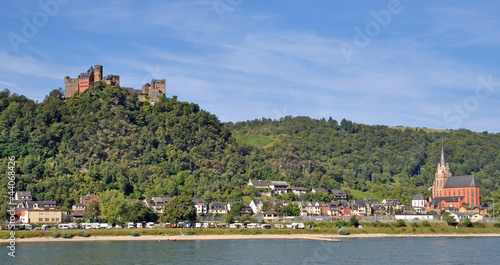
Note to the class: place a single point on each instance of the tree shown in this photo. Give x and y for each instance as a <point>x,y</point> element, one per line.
<point>236,208</point>
<point>138,212</point>
<point>450,220</point>
<point>93,212</point>
<point>467,222</point>
<point>113,206</point>
<point>180,209</point>
<point>354,221</point>
<point>291,209</point>
<point>400,223</point>
<point>229,218</point>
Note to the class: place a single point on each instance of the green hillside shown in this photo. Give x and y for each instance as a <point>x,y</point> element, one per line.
<point>105,139</point>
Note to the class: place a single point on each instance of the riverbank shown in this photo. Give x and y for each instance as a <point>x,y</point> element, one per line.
<point>317,237</point>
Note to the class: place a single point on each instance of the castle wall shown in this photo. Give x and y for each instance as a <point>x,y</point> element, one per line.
<point>70,86</point>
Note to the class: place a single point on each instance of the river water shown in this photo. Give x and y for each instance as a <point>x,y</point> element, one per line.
<point>349,251</point>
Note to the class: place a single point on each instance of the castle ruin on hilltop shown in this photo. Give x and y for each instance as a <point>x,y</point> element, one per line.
<point>151,92</point>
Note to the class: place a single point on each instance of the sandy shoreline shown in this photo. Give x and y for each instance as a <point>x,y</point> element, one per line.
<point>318,237</point>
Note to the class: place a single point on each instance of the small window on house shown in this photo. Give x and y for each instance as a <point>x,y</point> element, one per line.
<point>52,220</point>
<point>40,219</point>
<point>46,219</point>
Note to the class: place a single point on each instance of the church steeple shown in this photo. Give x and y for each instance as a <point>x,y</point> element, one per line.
<point>443,168</point>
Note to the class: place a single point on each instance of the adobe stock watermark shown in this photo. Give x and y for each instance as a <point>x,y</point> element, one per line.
<point>224,6</point>
<point>11,187</point>
<point>323,254</point>
<point>463,109</point>
<point>280,114</point>
<point>32,24</point>
<point>153,73</point>
<point>363,38</point>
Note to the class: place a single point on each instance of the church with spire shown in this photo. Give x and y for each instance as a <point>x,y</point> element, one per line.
<point>448,191</point>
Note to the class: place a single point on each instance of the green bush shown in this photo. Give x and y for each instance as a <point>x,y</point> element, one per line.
<point>343,231</point>
<point>354,221</point>
<point>135,233</point>
<point>426,224</point>
<point>21,236</point>
<point>400,223</point>
<point>497,225</point>
<point>467,222</point>
<point>189,233</point>
<point>340,223</point>
<point>413,224</point>
<point>55,234</point>
<point>66,234</point>
<point>83,234</point>
<point>450,220</point>
<point>479,224</point>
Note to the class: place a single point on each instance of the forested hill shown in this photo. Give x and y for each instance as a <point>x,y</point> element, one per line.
<point>378,159</point>
<point>105,139</point>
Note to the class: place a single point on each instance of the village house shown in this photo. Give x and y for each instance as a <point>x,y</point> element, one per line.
<point>279,187</point>
<point>314,190</point>
<point>258,184</point>
<point>256,206</point>
<point>339,194</point>
<point>31,216</point>
<point>217,208</point>
<point>200,205</point>
<point>86,199</point>
<point>23,196</point>
<point>418,204</point>
<point>273,216</point>
<point>299,191</point>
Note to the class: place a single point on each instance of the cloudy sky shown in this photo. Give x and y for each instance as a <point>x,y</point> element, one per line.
<point>409,63</point>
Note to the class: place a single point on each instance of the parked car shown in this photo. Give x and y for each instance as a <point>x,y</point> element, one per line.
<point>265,226</point>
<point>150,225</point>
<point>130,225</point>
<point>118,226</point>
<point>47,227</point>
<point>138,225</point>
<point>62,226</point>
<point>253,226</point>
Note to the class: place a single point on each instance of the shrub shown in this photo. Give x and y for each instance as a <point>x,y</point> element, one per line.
<point>189,233</point>
<point>375,224</point>
<point>426,224</point>
<point>21,236</point>
<point>400,223</point>
<point>467,222</point>
<point>432,230</point>
<point>66,234</point>
<point>354,221</point>
<point>450,220</point>
<point>83,234</point>
<point>343,231</point>
<point>413,224</point>
<point>135,233</point>
<point>340,223</point>
<point>479,224</point>
<point>55,234</point>
<point>497,225</point>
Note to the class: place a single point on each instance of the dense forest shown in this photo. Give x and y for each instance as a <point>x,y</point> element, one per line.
<point>105,139</point>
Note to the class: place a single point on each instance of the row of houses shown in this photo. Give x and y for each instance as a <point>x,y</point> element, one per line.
<point>282,187</point>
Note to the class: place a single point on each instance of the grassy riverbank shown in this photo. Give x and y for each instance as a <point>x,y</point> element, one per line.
<point>320,228</point>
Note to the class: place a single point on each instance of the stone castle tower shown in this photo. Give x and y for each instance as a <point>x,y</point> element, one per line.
<point>97,73</point>
<point>442,173</point>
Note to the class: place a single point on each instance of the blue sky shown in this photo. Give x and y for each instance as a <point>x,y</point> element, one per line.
<point>428,64</point>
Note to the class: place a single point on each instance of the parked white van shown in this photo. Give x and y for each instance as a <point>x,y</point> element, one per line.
<point>130,225</point>
<point>138,225</point>
<point>253,226</point>
<point>150,225</point>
